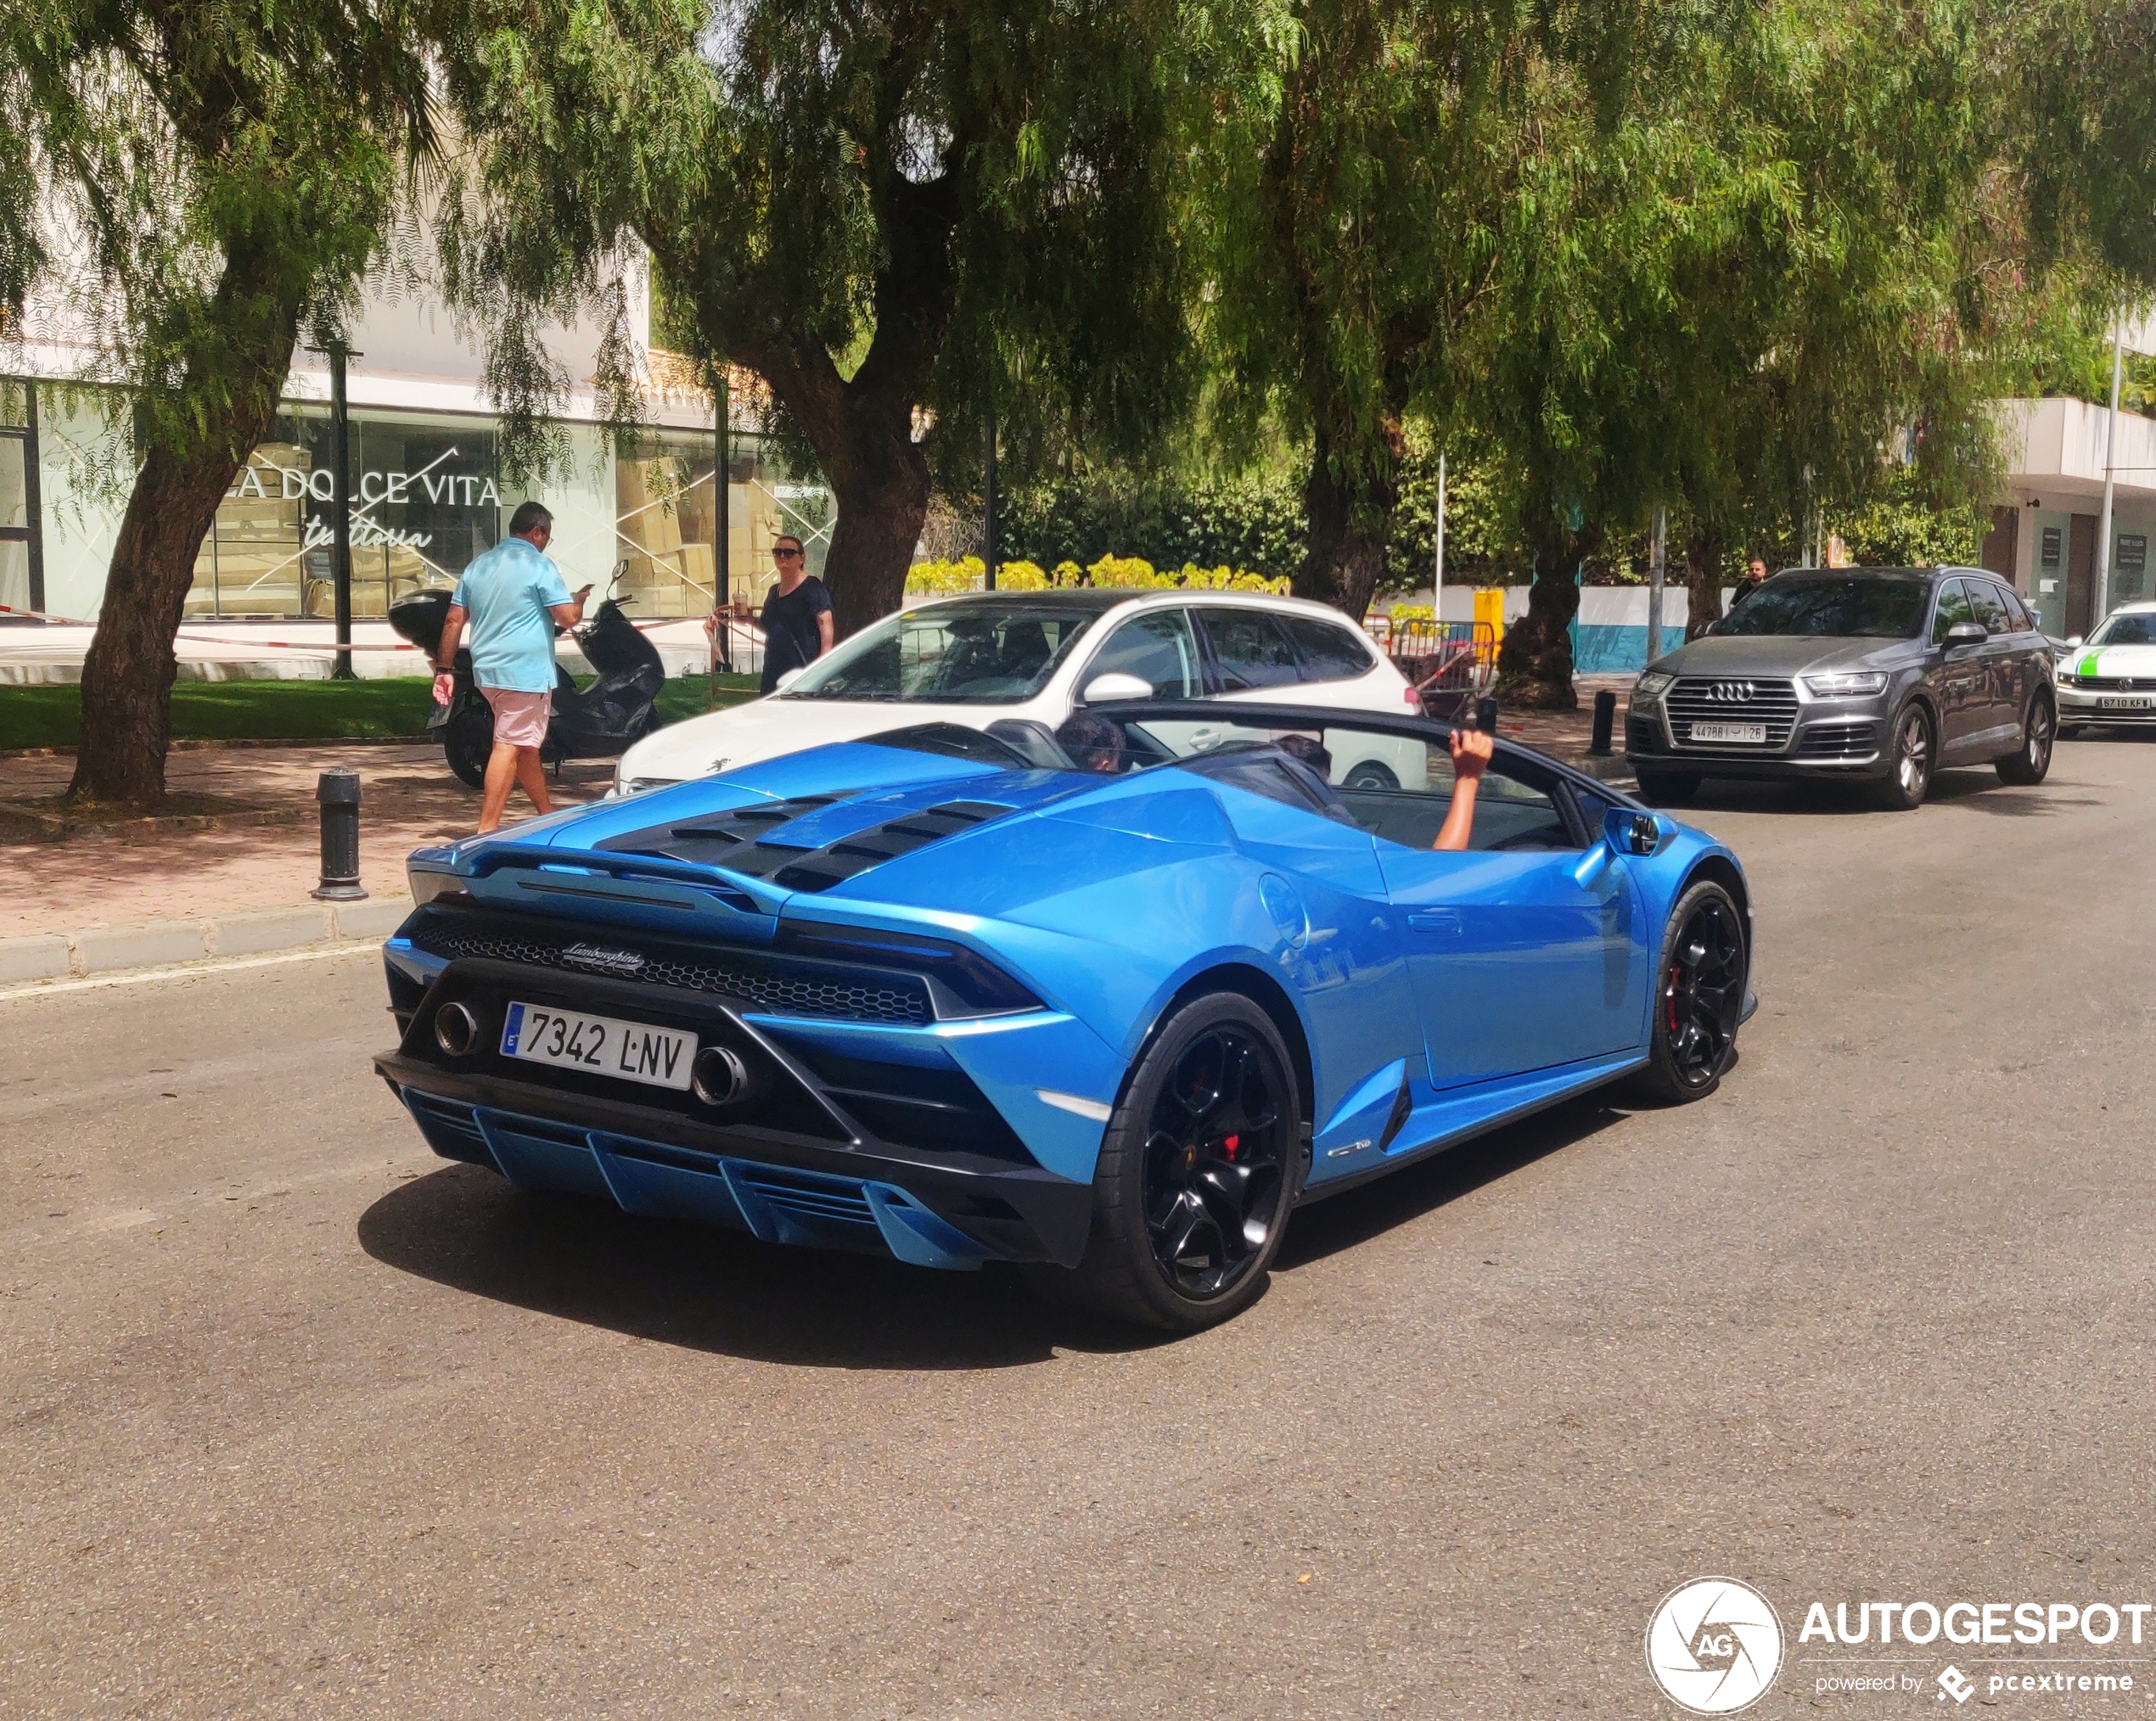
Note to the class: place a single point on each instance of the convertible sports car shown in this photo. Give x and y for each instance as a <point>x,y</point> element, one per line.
<point>946,994</point>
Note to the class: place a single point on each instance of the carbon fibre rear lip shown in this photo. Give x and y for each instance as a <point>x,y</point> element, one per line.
<point>1054,1215</point>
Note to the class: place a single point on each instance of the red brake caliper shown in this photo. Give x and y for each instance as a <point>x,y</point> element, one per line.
<point>1670,992</point>
<point>1229,1145</point>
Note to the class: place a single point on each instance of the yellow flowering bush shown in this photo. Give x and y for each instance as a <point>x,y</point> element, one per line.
<point>970,574</point>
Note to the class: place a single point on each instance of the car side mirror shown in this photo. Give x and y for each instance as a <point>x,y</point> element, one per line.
<point>2073,642</point>
<point>787,680</point>
<point>1115,686</point>
<point>1630,832</point>
<point>1965,633</point>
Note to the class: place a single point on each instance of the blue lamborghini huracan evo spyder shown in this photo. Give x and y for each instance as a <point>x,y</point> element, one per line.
<point>1108,1006</point>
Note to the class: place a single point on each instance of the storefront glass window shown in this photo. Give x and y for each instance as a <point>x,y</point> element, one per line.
<point>427,497</point>
<point>667,525</point>
<point>425,501</point>
<point>15,500</point>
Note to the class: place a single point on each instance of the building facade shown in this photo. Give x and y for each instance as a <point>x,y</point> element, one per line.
<point>2044,536</point>
<point>427,489</point>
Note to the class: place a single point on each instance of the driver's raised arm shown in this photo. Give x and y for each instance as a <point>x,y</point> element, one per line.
<point>1472,749</point>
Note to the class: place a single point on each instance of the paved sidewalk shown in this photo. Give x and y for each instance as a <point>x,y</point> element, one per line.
<point>408,798</point>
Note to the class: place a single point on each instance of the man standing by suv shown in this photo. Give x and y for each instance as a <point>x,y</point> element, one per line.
<point>514,597</point>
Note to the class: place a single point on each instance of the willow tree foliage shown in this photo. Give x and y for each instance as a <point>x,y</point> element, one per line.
<point>1802,270</point>
<point>210,174</point>
<point>1352,244</point>
<point>899,214</point>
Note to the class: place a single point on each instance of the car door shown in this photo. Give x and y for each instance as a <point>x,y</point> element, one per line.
<point>1527,950</point>
<point>1996,720</point>
<point>1957,677</point>
<point>1161,648</point>
<point>1252,657</point>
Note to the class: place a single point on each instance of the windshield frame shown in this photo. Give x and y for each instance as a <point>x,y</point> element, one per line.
<point>2145,618</point>
<point>1781,585</point>
<point>1080,622</point>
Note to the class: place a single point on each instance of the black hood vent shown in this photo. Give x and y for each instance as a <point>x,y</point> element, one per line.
<point>735,840</point>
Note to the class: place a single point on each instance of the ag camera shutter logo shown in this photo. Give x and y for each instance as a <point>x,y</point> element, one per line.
<point>1714,1645</point>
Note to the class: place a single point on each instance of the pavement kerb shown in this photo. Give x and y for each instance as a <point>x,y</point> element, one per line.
<point>161,944</point>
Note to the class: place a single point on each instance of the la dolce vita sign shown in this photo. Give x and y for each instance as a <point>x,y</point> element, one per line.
<point>466,489</point>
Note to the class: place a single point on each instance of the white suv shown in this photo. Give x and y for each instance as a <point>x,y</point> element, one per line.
<point>1037,656</point>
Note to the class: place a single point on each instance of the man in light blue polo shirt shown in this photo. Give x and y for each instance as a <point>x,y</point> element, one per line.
<point>514,597</point>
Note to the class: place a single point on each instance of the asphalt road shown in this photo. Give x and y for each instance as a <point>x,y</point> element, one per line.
<point>301,1421</point>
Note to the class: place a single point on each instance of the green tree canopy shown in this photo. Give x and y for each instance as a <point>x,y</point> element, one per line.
<point>900,216</point>
<point>211,174</point>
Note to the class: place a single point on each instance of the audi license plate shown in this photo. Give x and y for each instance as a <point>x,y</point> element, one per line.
<point>2122,704</point>
<point>1755,733</point>
<point>634,1051</point>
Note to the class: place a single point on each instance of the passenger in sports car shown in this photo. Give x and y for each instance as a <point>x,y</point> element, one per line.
<point>1471,751</point>
<point>1091,742</point>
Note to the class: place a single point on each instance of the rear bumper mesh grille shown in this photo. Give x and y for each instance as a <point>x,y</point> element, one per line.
<point>781,987</point>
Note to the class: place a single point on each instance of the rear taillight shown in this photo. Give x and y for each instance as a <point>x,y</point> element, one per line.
<point>1408,696</point>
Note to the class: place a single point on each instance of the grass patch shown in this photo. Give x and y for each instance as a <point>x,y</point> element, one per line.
<point>52,716</point>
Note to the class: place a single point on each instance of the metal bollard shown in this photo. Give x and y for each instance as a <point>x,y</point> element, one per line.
<point>1605,720</point>
<point>339,792</point>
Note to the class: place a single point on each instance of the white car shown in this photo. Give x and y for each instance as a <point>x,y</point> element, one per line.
<point>2111,678</point>
<point>1034,658</point>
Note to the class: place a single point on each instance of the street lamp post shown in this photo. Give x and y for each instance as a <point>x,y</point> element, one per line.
<point>2110,459</point>
<point>333,349</point>
<point>1657,566</point>
<point>722,531</point>
<point>988,511</point>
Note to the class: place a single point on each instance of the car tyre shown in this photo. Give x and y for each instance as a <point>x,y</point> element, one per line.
<point>2031,762</point>
<point>1699,982</point>
<point>1197,1172</point>
<point>1371,774</point>
<point>1916,750</point>
<point>468,743</point>
<point>1668,788</point>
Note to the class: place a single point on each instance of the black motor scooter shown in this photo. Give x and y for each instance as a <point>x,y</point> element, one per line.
<point>601,719</point>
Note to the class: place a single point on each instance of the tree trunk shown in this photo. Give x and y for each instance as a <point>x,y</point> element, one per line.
<point>882,501</point>
<point>862,426</point>
<point>1703,552</point>
<point>1349,516</point>
<point>1535,662</point>
<point>128,671</point>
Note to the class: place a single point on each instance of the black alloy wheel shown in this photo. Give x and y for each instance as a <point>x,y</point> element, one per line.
<point>2031,762</point>
<point>1197,1171</point>
<point>1213,1161</point>
<point>1905,786</point>
<point>1698,997</point>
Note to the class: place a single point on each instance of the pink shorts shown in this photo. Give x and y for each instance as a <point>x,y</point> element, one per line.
<point>520,718</point>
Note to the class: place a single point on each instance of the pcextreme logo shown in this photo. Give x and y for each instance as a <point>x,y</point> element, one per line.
<point>1714,1645</point>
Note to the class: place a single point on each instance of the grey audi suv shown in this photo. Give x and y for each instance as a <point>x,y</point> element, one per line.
<point>1875,674</point>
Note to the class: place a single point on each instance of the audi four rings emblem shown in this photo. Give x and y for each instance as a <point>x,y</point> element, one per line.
<point>1731,692</point>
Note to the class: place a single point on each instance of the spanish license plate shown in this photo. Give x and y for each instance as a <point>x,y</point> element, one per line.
<point>633,1051</point>
<point>1754,733</point>
<point>2122,704</point>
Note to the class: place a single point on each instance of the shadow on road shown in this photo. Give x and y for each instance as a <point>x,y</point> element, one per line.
<point>1355,1216</point>
<point>714,1290</point>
